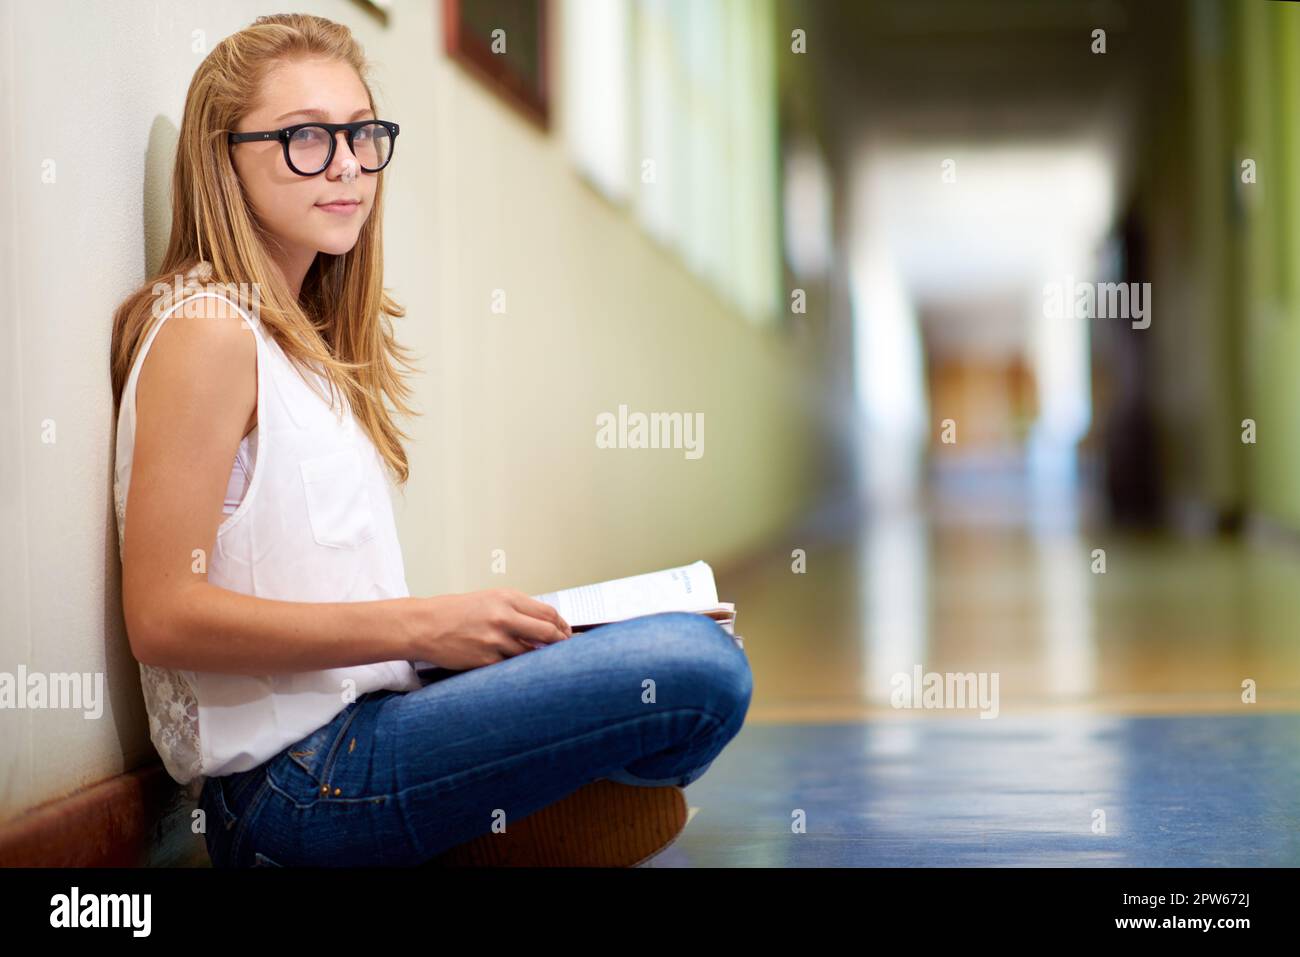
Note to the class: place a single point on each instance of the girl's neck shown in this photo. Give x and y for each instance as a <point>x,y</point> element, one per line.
<point>293,266</point>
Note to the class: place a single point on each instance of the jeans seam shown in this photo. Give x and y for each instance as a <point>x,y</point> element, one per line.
<point>216,825</point>
<point>235,784</point>
<point>246,818</point>
<point>332,757</point>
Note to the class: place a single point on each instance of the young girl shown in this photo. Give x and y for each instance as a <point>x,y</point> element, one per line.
<point>263,586</point>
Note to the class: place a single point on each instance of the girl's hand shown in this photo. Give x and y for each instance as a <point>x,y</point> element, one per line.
<point>470,630</point>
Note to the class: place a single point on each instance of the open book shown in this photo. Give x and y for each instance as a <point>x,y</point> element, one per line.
<point>689,588</point>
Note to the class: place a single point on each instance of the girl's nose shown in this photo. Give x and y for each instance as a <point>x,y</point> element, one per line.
<point>344,162</point>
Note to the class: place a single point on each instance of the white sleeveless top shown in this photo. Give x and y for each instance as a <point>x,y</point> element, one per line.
<point>315,524</point>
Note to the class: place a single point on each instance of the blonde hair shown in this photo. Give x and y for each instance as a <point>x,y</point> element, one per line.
<point>342,320</point>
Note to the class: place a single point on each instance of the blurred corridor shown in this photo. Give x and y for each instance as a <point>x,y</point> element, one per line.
<point>1062,282</point>
<point>1074,502</point>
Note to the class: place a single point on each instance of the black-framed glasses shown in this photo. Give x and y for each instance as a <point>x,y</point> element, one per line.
<point>309,147</point>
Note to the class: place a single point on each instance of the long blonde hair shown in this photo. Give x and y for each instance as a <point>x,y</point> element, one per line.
<point>342,320</point>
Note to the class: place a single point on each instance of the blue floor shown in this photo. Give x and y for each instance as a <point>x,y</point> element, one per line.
<point>1186,791</point>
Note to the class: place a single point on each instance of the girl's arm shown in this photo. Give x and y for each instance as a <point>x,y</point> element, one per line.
<point>195,399</point>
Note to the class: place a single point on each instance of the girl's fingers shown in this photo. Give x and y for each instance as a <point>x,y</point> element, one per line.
<point>512,646</point>
<point>536,629</point>
<point>539,609</point>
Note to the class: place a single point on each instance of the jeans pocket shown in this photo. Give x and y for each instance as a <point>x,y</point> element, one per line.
<point>310,753</point>
<point>302,770</point>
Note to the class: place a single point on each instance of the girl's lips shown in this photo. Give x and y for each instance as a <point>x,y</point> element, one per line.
<point>340,208</point>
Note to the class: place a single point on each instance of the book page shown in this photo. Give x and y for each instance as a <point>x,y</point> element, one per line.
<point>688,588</point>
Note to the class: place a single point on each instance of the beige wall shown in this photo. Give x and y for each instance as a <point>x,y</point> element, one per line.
<point>504,456</point>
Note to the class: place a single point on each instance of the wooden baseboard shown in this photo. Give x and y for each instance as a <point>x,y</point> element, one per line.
<point>138,819</point>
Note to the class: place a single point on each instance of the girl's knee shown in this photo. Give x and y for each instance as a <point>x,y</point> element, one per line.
<point>698,653</point>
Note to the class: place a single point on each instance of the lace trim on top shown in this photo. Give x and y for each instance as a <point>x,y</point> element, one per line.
<point>173,721</point>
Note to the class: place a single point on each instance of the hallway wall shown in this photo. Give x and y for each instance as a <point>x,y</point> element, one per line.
<point>1268,70</point>
<point>1224,260</point>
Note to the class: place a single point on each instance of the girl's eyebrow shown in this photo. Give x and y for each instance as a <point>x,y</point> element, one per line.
<point>317,114</point>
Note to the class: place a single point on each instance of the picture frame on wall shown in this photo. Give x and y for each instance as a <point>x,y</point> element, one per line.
<point>506,45</point>
<point>379,9</point>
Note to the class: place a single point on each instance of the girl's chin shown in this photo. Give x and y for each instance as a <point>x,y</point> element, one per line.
<point>336,245</point>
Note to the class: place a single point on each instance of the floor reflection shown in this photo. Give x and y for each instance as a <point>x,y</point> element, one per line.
<point>1170,625</point>
<point>1122,736</point>
<point>1067,790</point>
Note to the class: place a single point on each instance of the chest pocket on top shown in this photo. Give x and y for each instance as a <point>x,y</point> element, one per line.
<point>338,501</point>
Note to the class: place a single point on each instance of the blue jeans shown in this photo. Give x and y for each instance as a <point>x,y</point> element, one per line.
<point>398,777</point>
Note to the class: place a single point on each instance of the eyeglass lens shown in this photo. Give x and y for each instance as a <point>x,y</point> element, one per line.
<point>309,147</point>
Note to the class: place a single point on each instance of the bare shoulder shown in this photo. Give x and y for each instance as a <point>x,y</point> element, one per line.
<point>204,352</point>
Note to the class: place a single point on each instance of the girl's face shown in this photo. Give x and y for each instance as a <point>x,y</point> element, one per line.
<point>293,207</point>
